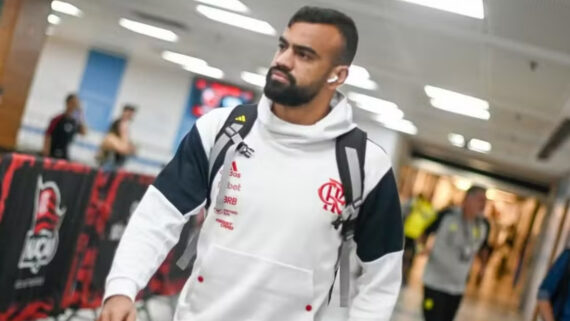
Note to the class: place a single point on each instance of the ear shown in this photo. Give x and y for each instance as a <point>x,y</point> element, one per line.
<point>339,73</point>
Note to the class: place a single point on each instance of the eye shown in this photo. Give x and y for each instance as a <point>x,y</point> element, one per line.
<point>282,46</point>
<point>303,55</point>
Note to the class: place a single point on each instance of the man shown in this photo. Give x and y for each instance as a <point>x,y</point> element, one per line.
<point>553,295</point>
<point>270,254</point>
<point>418,215</point>
<point>63,128</point>
<point>461,234</point>
<point>117,145</point>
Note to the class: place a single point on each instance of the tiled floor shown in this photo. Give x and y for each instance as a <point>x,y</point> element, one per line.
<point>408,309</point>
<point>495,304</point>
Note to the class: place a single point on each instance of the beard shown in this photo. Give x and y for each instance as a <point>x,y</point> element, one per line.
<point>289,94</point>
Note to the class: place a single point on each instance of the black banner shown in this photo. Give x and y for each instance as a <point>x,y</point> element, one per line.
<point>42,206</point>
<point>60,225</point>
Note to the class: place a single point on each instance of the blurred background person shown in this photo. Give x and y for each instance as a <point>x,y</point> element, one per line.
<point>461,233</point>
<point>418,214</point>
<point>63,128</point>
<point>553,296</point>
<point>117,145</point>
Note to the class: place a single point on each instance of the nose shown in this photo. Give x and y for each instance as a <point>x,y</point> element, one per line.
<point>285,59</point>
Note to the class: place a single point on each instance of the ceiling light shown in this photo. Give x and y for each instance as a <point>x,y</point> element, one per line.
<point>470,8</point>
<point>389,114</point>
<point>66,8</point>
<point>233,5</point>
<point>478,145</point>
<point>192,64</point>
<point>53,19</point>
<point>457,109</point>
<point>205,70</point>
<point>361,83</point>
<point>402,125</point>
<point>359,77</point>
<point>358,72</point>
<point>253,78</point>
<point>455,98</point>
<point>371,104</point>
<point>181,59</point>
<point>462,183</point>
<point>456,140</point>
<point>148,30</point>
<point>236,20</point>
<point>498,195</point>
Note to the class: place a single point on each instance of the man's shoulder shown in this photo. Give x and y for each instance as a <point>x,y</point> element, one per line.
<point>215,118</point>
<point>209,125</point>
<point>375,151</point>
<point>450,211</point>
<point>377,164</point>
<point>57,118</point>
<point>54,123</point>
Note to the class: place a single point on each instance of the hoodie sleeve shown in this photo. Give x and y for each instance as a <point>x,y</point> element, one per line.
<point>553,281</point>
<point>379,238</point>
<point>178,192</point>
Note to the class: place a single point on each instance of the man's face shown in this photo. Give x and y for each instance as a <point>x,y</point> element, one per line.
<point>474,204</point>
<point>73,104</point>
<point>128,114</point>
<point>307,54</point>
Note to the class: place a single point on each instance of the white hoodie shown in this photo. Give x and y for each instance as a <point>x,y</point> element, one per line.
<point>270,254</point>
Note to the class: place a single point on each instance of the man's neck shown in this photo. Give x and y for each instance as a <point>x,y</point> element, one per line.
<point>307,114</point>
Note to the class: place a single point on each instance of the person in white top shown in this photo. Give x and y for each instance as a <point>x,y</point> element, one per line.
<point>269,245</point>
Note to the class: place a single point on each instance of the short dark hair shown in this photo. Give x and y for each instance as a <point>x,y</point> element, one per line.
<point>475,189</point>
<point>129,107</point>
<point>114,128</point>
<point>342,22</point>
<point>69,97</point>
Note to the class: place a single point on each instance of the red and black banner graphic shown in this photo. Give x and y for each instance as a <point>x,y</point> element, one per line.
<point>42,202</point>
<point>60,225</point>
<point>169,279</point>
<point>113,200</point>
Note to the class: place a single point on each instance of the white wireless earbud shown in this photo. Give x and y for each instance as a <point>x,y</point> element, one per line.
<point>332,80</point>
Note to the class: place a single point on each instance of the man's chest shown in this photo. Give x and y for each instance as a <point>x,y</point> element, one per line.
<point>280,188</point>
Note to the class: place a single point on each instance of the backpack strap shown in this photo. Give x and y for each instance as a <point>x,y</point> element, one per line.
<point>350,155</point>
<point>229,142</point>
<point>237,126</point>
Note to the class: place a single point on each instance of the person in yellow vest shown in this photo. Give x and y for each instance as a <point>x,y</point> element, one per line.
<point>418,215</point>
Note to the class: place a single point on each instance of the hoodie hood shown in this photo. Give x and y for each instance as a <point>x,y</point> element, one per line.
<point>337,122</point>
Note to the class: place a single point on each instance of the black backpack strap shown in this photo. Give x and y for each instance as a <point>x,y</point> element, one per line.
<point>350,156</point>
<point>237,126</point>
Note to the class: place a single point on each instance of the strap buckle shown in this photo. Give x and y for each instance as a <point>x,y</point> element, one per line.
<point>245,150</point>
<point>345,219</point>
<point>231,132</point>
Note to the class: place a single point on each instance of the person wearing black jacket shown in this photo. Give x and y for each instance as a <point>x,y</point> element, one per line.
<point>553,298</point>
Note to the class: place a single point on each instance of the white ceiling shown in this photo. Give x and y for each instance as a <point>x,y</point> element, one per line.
<point>404,46</point>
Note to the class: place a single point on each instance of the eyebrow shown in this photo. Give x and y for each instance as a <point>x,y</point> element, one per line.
<point>300,47</point>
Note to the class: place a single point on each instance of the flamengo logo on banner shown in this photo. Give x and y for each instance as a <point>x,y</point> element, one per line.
<point>43,237</point>
<point>332,194</point>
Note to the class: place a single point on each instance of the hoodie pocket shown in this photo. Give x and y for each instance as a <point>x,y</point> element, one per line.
<point>232,285</point>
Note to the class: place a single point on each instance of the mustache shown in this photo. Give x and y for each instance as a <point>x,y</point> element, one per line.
<point>290,77</point>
